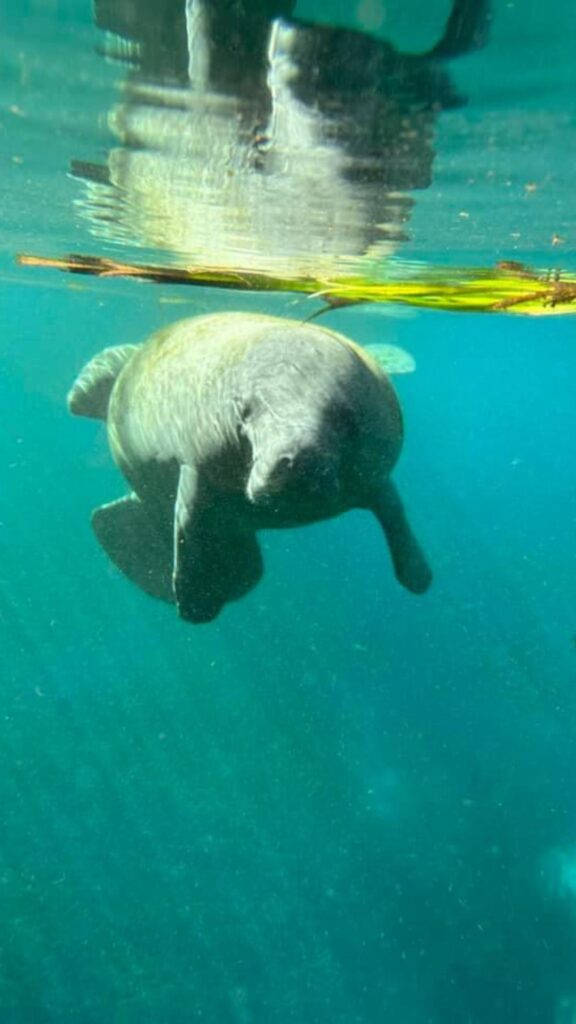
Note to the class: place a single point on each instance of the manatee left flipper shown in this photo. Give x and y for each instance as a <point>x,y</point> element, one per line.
<point>90,392</point>
<point>138,544</point>
<point>215,561</point>
<point>410,565</point>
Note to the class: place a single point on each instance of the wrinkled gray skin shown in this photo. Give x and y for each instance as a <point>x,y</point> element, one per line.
<point>231,423</point>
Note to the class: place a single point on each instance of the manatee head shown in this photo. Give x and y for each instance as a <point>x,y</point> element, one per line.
<point>295,462</point>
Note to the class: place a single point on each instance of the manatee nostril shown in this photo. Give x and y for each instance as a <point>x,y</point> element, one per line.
<point>259,497</point>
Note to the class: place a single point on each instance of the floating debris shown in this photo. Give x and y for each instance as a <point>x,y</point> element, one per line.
<point>509,287</point>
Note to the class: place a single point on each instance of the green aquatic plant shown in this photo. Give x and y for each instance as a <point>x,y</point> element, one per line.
<point>509,287</point>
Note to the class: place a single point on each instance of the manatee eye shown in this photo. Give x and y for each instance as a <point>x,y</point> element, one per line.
<point>285,462</point>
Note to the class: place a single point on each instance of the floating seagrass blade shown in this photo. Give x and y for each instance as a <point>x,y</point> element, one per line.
<point>509,287</point>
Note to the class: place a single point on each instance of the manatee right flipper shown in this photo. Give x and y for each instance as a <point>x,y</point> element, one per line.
<point>215,561</point>
<point>137,544</point>
<point>90,393</point>
<point>410,565</point>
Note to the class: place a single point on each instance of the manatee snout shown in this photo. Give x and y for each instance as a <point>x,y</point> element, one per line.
<point>307,474</point>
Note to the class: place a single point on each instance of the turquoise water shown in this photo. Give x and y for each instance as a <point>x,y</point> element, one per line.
<point>338,802</point>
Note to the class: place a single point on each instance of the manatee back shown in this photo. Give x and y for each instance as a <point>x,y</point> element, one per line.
<point>179,397</point>
<point>184,392</point>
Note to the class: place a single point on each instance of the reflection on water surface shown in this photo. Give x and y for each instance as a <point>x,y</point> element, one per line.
<point>250,138</point>
<point>290,137</point>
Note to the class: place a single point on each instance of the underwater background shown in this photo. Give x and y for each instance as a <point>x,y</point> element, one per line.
<point>339,802</point>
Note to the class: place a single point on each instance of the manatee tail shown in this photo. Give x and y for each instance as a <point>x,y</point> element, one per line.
<point>90,393</point>
<point>410,565</point>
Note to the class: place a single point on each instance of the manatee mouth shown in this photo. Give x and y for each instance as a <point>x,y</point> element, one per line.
<point>266,482</point>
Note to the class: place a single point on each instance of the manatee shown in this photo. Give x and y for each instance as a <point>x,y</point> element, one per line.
<point>230,423</point>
